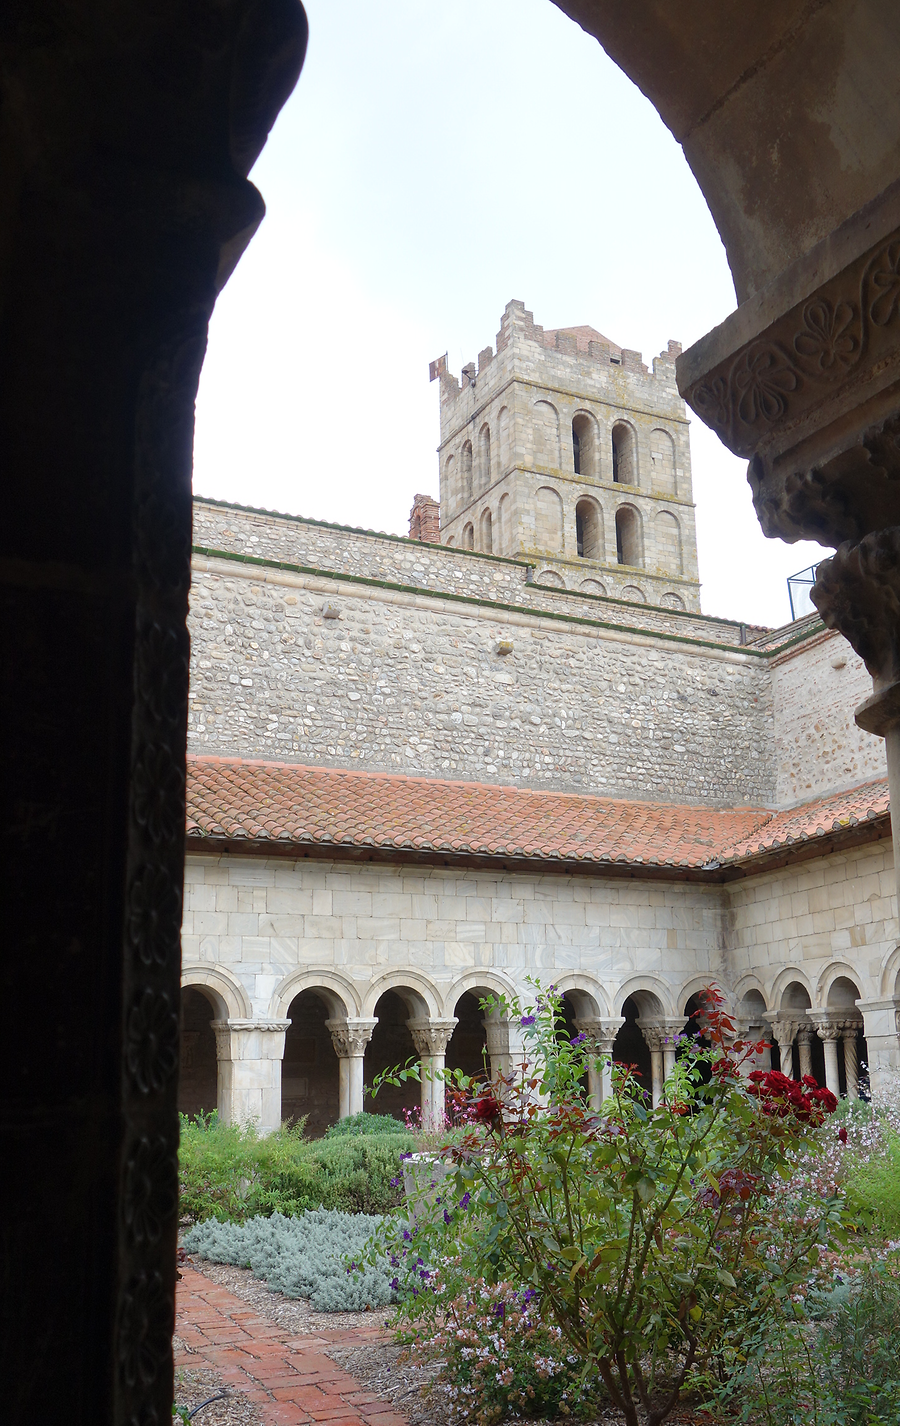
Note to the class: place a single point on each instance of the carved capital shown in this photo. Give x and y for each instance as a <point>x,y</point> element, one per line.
<point>496,1035</point>
<point>858,592</point>
<point>600,1033</point>
<point>828,1025</point>
<point>350,1036</point>
<point>431,1037</point>
<point>784,1030</point>
<point>802,381</point>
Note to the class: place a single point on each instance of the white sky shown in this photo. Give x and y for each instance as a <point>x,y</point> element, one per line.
<point>432,163</point>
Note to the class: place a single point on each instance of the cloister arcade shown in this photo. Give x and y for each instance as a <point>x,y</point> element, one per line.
<point>317,1057</point>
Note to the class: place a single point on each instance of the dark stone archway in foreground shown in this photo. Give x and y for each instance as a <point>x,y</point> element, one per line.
<point>126,134</point>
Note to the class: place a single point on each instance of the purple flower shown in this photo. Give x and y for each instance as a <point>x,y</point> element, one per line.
<point>447,1218</point>
<point>527,1019</point>
<point>395,1284</point>
<point>465,1200</point>
<point>579,1039</point>
<point>407,1235</point>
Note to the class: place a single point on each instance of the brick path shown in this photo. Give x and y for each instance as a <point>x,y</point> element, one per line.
<point>289,1379</point>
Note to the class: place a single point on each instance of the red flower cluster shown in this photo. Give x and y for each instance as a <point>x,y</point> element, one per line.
<point>801,1099</point>
<point>487,1109</point>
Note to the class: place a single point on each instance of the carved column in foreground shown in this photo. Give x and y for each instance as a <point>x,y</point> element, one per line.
<point>804,380</point>
<point>601,1034</point>
<point>804,1045</point>
<point>431,1038</point>
<point>350,1037</point>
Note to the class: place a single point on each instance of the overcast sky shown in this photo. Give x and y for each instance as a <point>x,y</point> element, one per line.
<point>434,162</point>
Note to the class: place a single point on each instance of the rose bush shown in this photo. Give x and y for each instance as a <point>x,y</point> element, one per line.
<point>644,1233</point>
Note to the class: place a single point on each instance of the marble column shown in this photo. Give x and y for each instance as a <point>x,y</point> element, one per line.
<point>783,1032</point>
<point>431,1038</point>
<point>851,1059</point>
<point>601,1034</point>
<point>496,1034</point>
<point>655,1037</point>
<point>249,1054</point>
<point>804,1042</point>
<point>673,1026</point>
<point>829,1032</point>
<point>350,1037</point>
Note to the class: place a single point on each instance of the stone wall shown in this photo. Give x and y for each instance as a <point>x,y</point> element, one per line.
<point>818,746</point>
<point>314,544</point>
<point>833,916</point>
<point>359,931</point>
<point>339,673</point>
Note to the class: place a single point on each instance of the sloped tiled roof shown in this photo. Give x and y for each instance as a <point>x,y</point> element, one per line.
<point>286,803</point>
<point>582,335</point>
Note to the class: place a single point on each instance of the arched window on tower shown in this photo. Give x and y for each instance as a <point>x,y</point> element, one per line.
<point>584,445</point>
<point>484,457</point>
<point>624,454</point>
<point>468,537</point>
<point>466,472</point>
<point>503,530</point>
<point>588,530</point>
<point>628,537</point>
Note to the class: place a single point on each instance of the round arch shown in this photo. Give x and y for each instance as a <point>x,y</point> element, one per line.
<point>586,994</point>
<point>745,985</point>
<point>830,994</point>
<point>224,989</point>
<point>890,975</point>
<point>694,985</point>
<point>414,989</point>
<point>786,978</point>
<point>644,990</point>
<point>338,993</point>
<point>473,982</point>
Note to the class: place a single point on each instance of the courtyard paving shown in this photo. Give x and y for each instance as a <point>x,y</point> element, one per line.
<point>288,1379</point>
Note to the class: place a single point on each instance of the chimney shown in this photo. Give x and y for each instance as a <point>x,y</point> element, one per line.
<point>425,520</point>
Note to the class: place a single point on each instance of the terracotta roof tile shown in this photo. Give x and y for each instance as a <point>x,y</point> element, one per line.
<point>286,802</point>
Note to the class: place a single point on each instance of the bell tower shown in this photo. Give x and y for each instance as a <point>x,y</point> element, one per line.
<point>564,450</point>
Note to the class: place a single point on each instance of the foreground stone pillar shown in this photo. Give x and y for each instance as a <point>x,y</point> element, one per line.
<point>350,1037</point>
<point>431,1038</point>
<point>881,1026</point>
<point>250,1055</point>
<point>126,134</point>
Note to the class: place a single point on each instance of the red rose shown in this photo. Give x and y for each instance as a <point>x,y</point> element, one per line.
<point>842,1135</point>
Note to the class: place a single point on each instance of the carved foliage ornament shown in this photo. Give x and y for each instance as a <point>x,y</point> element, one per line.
<point>804,353</point>
<point>858,592</point>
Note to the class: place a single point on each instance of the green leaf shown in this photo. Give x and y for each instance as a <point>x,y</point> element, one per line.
<point>646,1188</point>
<point>725,1277</point>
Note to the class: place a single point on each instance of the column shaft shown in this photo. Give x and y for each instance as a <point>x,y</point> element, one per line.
<point>851,1064</point>
<point>804,1041</point>
<point>349,1036</point>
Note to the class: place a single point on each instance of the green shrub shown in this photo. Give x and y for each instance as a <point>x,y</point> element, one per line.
<point>364,1123</point>
<point>306,1256</point>
<point>873,1182</point>
<point>232,1173</point>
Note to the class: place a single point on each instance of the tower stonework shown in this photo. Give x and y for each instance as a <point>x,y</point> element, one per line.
<point>562,449</point>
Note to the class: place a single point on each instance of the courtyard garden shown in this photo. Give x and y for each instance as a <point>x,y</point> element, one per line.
<point>731,1255</point>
